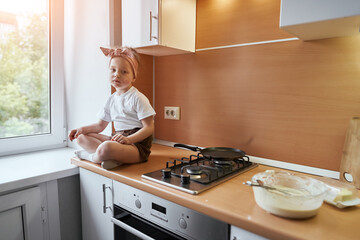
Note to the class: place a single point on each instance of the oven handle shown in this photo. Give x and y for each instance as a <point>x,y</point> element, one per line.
<point>130,229</point>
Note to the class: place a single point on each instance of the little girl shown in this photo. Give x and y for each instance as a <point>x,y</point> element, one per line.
<point>129,109</point>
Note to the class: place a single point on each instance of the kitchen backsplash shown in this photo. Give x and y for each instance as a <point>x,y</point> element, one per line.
<point>289,101</point>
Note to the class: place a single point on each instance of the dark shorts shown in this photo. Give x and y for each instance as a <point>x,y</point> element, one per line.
<point>143,146</point>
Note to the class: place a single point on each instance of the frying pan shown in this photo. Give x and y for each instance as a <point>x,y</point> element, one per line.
<point>216,153</point>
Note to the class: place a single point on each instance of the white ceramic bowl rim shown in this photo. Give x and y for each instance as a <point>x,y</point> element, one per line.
<point>318,187</point>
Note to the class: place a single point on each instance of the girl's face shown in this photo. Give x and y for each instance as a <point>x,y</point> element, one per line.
<point>121,74</point>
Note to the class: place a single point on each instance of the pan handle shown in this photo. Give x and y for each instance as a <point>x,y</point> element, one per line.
<point>180,145</point>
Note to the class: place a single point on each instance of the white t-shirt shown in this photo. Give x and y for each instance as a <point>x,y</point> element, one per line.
<point>126,110</point>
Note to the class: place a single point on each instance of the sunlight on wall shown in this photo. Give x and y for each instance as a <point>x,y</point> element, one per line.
<point>221,4</point>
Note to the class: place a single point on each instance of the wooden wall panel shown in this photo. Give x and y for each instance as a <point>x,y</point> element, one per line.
<point>227,22</point>
<point>145,81</point>
<point>288,101</point>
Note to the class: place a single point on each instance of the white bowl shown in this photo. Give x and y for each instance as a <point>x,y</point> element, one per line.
<point>305,195</point>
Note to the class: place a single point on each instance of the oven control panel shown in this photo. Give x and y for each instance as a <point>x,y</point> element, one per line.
<point>171,216</point>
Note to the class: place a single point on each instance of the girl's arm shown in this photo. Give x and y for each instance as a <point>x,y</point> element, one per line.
<point>146,131</point>
<point>93,128</point>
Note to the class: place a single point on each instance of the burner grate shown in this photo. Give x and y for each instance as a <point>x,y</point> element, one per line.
<point>205,171</point>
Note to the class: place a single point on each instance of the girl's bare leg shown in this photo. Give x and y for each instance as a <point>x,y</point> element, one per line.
<point>111,150</point>
<point>91,141</point>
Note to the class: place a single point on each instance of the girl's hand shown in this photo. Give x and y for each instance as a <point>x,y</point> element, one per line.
<point>75,133</point>
<point>120,139</point>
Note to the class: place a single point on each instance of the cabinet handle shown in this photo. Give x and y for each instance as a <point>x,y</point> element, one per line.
<point>150,25</point>
<point>104,198</point>
<point>151,17</point>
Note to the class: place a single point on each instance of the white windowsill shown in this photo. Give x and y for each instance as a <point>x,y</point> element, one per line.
<point>22,170</point>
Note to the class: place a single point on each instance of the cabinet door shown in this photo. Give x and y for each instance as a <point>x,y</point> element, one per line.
<point>311,20</point>
<point>96,206</point>
<point>238,234</point>
<point>20,215</point>
<point>11,224</point>
<point>140,23</point>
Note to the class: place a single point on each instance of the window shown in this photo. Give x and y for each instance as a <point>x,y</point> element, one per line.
<point>31,75</point>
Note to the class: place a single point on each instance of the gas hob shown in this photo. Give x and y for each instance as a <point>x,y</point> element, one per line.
<point>196,173</point>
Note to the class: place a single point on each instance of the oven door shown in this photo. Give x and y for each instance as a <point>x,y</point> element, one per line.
<point>130,226</point>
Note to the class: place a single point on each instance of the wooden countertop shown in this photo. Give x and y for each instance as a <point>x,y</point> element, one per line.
<point>234,203</point>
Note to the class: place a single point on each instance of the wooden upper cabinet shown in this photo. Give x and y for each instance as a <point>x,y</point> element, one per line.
<point>223,23</point>
<point>310,20</point>
<point>159,27</point>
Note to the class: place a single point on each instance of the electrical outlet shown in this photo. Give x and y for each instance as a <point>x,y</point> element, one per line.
<point>172,113</point>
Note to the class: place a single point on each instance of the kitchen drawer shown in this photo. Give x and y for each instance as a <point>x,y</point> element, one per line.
<point>241,234</point>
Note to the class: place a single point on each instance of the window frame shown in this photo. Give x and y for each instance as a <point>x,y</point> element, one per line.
<point>57,136</point>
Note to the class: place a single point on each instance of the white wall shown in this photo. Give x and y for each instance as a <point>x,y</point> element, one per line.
<point>87,27</point>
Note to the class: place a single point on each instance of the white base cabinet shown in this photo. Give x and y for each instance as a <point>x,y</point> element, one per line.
<point>159,27</point>
<point>33,212</point>
<point>20,215</point>
<point>96,206</point>
<point>241,234</point>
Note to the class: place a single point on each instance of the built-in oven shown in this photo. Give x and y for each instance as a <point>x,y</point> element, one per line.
<point>141,215</point>
<point>128,226</point>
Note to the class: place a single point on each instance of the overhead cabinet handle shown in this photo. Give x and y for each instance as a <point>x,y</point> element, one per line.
<point>151,17</point>
<point>150,25</point>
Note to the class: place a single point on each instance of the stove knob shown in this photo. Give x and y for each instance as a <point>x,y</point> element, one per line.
<point>166,173</point>
<point>138,203</point>
<point>182,223</point>
<point>185,178</point>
